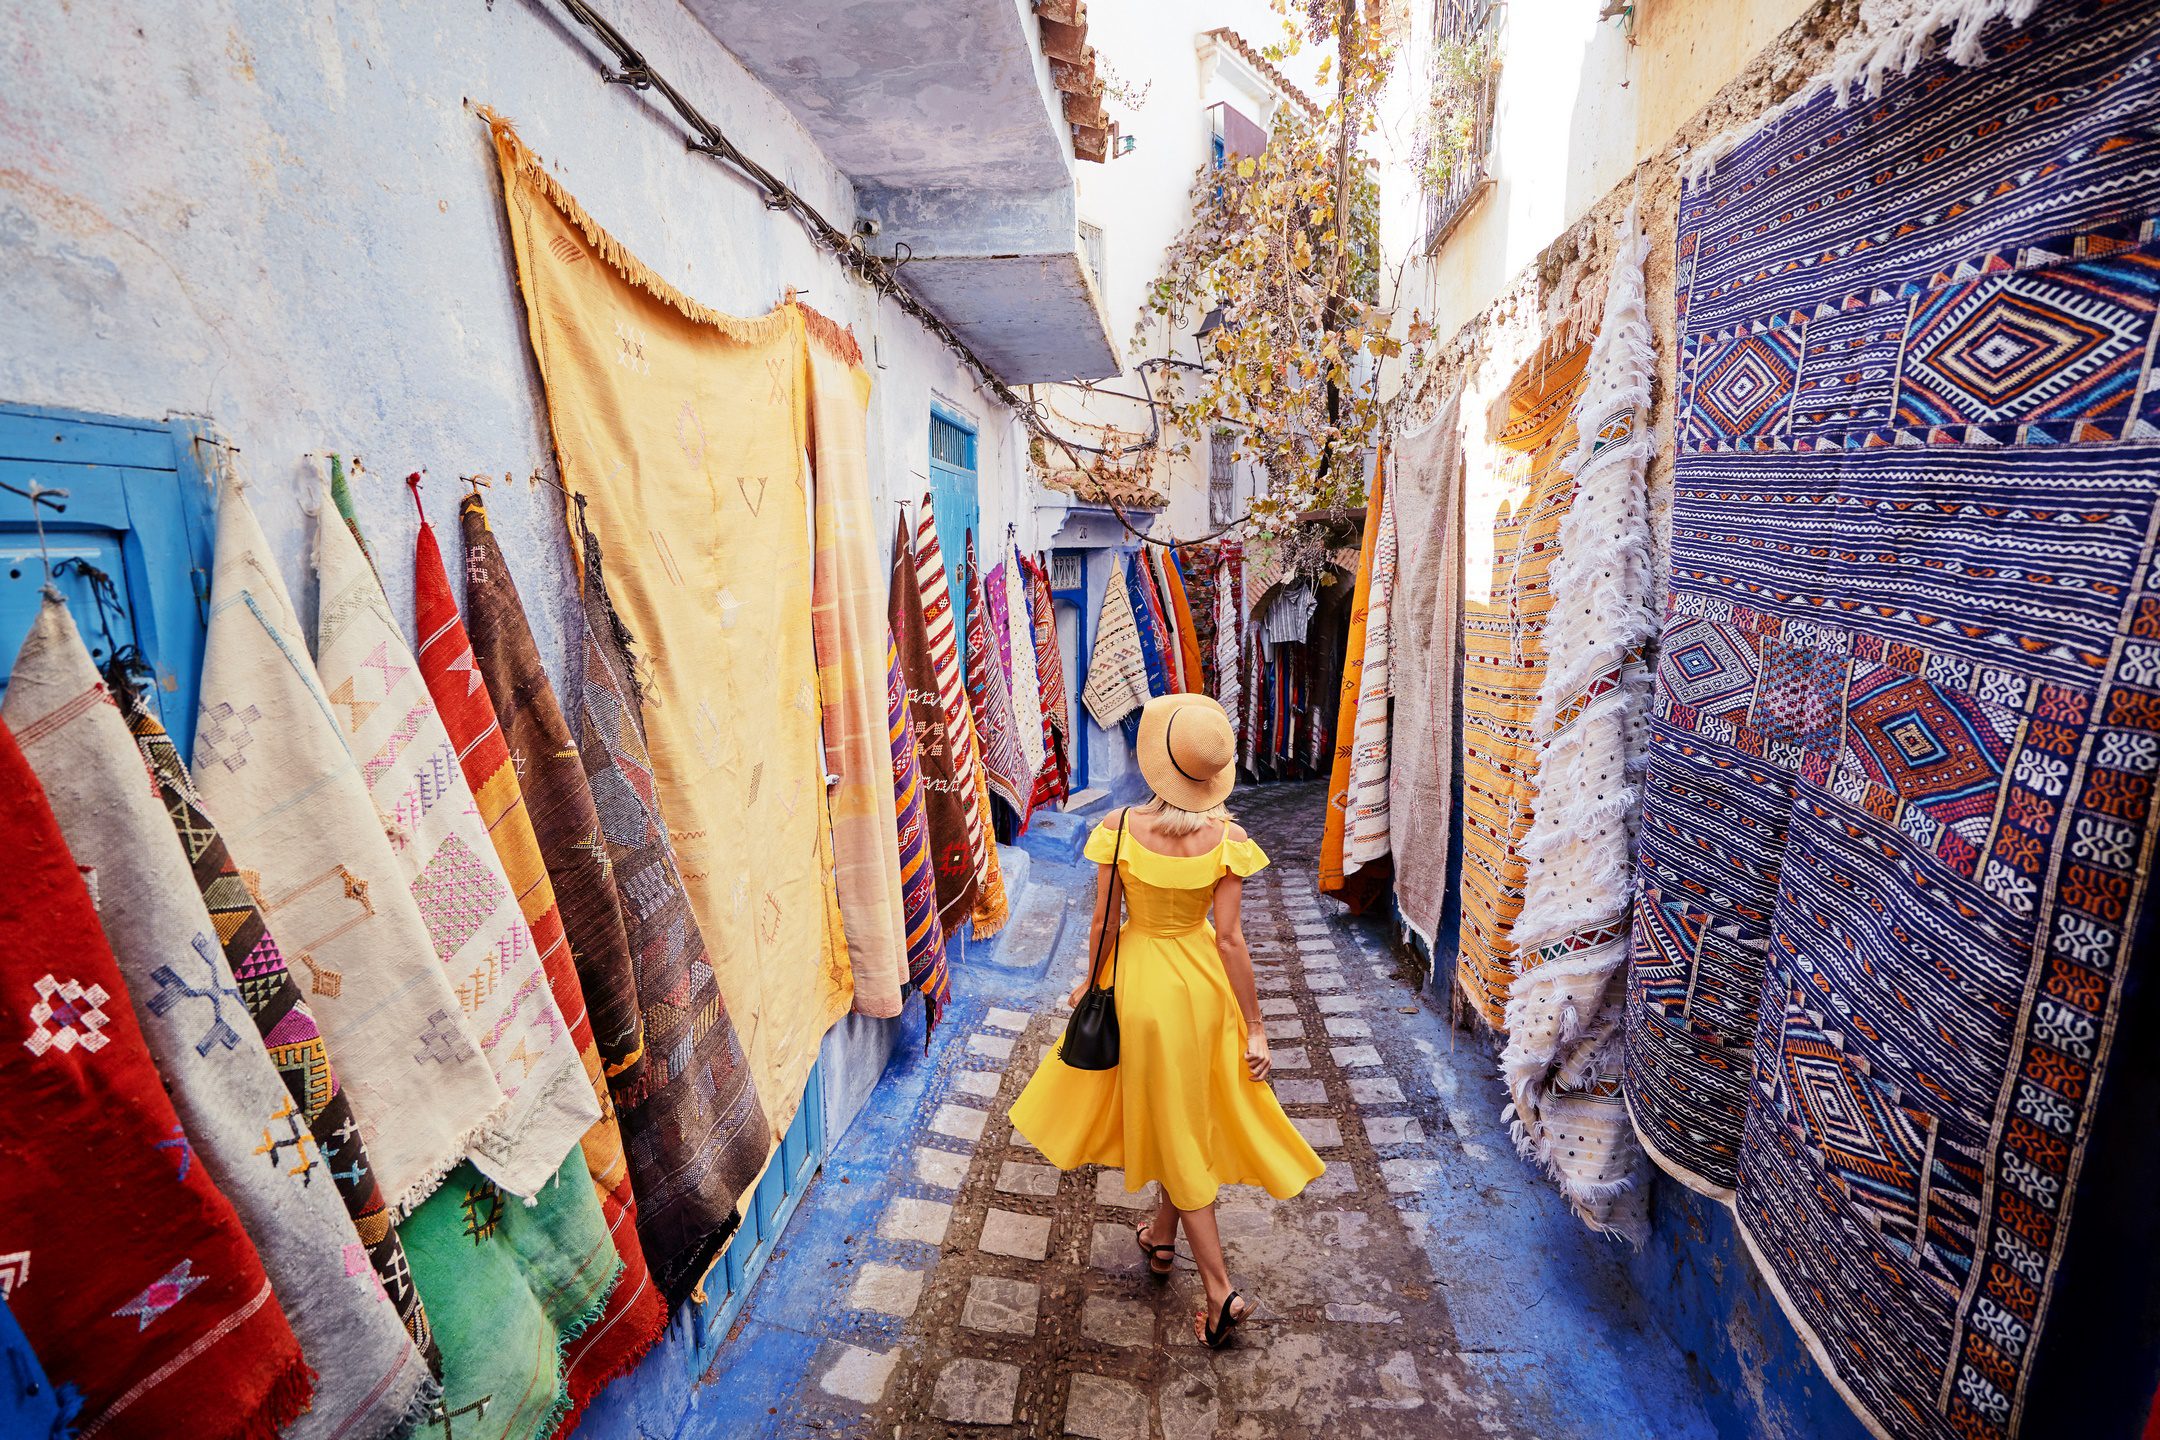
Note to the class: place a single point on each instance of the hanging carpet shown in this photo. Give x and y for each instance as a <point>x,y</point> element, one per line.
<point>125,1267</point>
<point>1424,631</point>
<point>287,1026</point>
<point>1357,886</point>
<point>1365,821</point>
<point>1891,983</point>
<point>1562,1058</point>
<point>1117,677</point>
<point>1017,640</point>
<point>990,695</point>
<point>1504,667</point>
<point>691,1123</point>
<point>848,627</point>
<point>946,807</point>
<point>1155,641</point>
<point>941,631</point>
<point>685,431</point>
<point>1190,671</point>
<point>273,767</point>
<point>559,804</point>
<point>926,933</point>
<point>381,703</point>
<point>1055,779</point>
<point>246,1131</point>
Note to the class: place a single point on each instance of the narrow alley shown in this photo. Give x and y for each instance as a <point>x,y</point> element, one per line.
<point>938,1273</point>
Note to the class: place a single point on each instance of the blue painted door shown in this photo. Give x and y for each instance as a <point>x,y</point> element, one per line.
<point>953,495</point>
<point>138,514</point>
<point>771,1205</point>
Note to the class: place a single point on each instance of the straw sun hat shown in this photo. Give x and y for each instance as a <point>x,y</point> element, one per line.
<point>1188,752</point>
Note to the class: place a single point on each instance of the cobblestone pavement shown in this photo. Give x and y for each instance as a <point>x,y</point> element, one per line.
<point>942,1280</point>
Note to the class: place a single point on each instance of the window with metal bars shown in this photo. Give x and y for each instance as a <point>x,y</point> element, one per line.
<point>1222,477</point>
<point>1457,24</point>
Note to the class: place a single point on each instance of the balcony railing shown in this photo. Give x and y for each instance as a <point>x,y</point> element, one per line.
<point>1457,24</point>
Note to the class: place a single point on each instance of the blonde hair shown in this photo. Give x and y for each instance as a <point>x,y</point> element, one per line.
<point>1173,820</point>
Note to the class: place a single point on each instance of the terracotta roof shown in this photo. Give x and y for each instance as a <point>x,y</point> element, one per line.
<point>1106,488</point>
<point>1252,56</point>
<point>1064,28</point>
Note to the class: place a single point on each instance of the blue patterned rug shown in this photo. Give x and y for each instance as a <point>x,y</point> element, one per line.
<point>1898,821</point>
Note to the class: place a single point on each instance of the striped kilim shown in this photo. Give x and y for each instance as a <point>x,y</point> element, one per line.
<point>1117,676</point>
<point>941,629</point>
<point>1504,668</point>
<point>1055,779</point>
<point>1891,980</point>
<point>990,697</point>
<point>918,881</point>
<point>948,810</point>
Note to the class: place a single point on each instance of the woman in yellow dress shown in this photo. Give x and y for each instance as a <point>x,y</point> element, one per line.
<point>1188,1105</point>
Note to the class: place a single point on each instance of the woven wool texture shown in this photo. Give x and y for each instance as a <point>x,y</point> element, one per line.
<point>1424,628</point>
<point>1562,1059</point>
<point>559,803</point>
<point>926,933</point>
<point>1890,980</point>
<point>293,806</point>
<point>1366,816</point>
<point>1504,671</point>
<point>695,1134</point>
<point>1018,642</point>
<point>178,1325</point>
<point>1349,883</point>
<point>283,1020</point>
<point>690,462</point>
<point>947,808</point>
<point>1055,779</point>
<point>1117,680</point>
<point>380,702</point>
<point>243,1127</point>
<point>941,632</point>
<point>1009,775</point>
<point>849,632</point>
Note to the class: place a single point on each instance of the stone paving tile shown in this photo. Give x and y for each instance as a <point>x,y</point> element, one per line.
<point>961,1122</point>
<point>1018,1177</point>
<point>910,1218</point>
<point>1290,1057</point>
<point>1290,1028</point>
<point>859,1375</point>
<point>1284,1006</point>
<point>1001,1306</point>
<point>1117,1322</point>
<point>1101,1408</point>
<point>1024,1237</point>
<point>1013,1020</point>
<point>941,1168</point>
<point>1301,1092</point>
<point>983,1084</point>
<point>1375,1090</point>
<point>976,1392</point>
<point>1320,1131</point>
<point>1270,985</point>
<point>886,1289</point>
<point>1324,980</point>
<point>1110,1190</point>
<point>1338,1004</point>
<point>1350,1056</point>
<point>996,1047</point>
<point>1394,1130</point>
<point>1348,1027</point>
<point>1111,1248</point>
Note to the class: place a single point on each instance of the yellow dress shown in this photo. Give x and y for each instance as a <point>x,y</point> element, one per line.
<point>1180,1107</point>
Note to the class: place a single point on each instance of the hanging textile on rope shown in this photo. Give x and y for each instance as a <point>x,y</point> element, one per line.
<point>178,1324</point>
<point>848,628</point>
<point>1891,980</point>
<point>946,807</point>
<point>1504,668</point>
<point>282,1017</point>
<point>941,632</point>
<point>1117,676</point>
<point>1355,886</point>
<point>691,462</point>
<point>1055,779</point>
<point>1190,670</point>
<point>455,679</point>
<point>381,704</point>
<point>926,934</point>
<point>559,805</point>
<point>1365,841</point>
<point>1424,628</point>
<point>991,909</point>
<point>996,720</point>
<point>370,1379</point>
<point>1018,641</point>
<point>1157,646</point>
<point>293,806</point>
<point>691,1123</point>
<point>1562,1060</point>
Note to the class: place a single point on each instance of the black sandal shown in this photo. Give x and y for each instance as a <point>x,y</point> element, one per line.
<point>1161,1259</point>
<point>1217,1334</point>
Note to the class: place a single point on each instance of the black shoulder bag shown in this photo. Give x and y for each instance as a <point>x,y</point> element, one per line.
<point>1091,1035</point>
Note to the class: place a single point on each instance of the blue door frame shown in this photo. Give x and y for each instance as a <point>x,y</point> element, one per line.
<point>1078,600</point>
<point>139,509</point>
<point>779,1191</point>
<point>953,494</point>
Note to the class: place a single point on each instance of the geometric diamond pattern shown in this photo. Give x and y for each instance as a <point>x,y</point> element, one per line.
<point>457,893</point>
<point>1742,386</point>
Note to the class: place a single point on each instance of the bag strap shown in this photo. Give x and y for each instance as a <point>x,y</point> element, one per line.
<point>1111,919</point>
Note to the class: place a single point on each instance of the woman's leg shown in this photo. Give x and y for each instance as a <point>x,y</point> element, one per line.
<point>1162,1230</point>
<point>1206,1242</point>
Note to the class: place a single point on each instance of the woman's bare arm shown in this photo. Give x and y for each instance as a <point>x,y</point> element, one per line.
<point>1237,965</point>
<point>1098,940</point>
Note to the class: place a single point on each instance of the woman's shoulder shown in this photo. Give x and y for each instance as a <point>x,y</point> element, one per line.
<point>1234,833</point>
